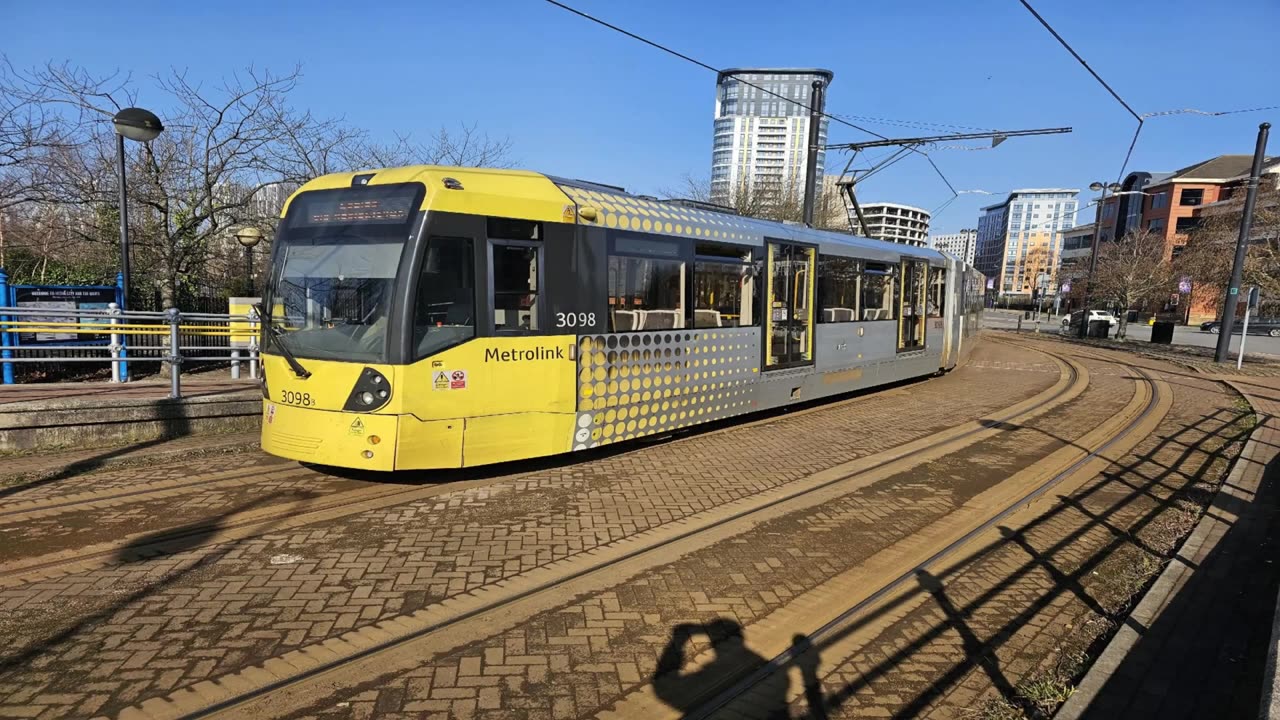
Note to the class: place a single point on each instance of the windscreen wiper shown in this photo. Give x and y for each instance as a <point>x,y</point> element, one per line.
<point>284,349</point>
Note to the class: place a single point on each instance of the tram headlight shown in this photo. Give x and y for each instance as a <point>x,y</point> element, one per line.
<point>371,392</point>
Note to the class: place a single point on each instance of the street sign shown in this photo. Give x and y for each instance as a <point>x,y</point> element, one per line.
<point>1253,298</point>
<point>1184,285</point>
<point>1066,286</point>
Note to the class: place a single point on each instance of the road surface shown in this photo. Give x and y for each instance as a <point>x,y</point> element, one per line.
<point>1140,332</point>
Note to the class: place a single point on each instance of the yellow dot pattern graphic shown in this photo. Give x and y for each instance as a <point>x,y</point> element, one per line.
<point>635,384</point>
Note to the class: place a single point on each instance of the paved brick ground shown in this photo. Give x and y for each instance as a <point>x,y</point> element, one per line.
<point>246,481</point>
<point>580,659</point>
<point>1199,642</point>
<point>29,477</point>
<point>980,634</point>
<point>97,641</point>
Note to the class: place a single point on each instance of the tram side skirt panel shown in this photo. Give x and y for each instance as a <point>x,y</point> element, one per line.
<point>489,400</point>
<point>521,398</point>
<point>429,445</point>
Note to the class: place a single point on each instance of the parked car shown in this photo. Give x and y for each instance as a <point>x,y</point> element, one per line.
<point>1074,320</point>
<point>1257,326</point>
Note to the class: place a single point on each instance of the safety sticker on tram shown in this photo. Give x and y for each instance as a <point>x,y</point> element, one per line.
<point>440,381</point>
<point>271,413</point>
<point>458,380</point>
<point>357,427</point>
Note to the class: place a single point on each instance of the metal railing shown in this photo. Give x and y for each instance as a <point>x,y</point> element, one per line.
<point>178,338</point>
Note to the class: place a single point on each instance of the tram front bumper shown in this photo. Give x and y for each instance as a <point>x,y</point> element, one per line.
<point>341,439</point>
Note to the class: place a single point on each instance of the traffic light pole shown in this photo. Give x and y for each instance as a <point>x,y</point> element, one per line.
<point>1242,246</point>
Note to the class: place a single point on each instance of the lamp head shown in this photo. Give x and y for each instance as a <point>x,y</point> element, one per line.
<point>137,124</point>
<point>249,236</point>
<point>1095,186</point>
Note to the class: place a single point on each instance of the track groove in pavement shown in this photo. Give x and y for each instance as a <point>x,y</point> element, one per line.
<point>615,512</point>
<point>312,674</point>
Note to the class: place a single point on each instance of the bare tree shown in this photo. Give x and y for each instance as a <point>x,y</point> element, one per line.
<point>30,131</point>
<point>1132,271</point>
<point>1210,248</point>
<point>465,147</point>
<point>780,202</point>
<point>227,147</point>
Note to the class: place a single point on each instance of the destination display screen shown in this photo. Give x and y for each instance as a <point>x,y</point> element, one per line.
<point>369,205</point>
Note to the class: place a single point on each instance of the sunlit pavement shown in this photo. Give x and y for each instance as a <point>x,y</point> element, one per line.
<point>641,582</point>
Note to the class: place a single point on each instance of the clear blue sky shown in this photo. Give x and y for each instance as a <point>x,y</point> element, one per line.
<point>582,101</point>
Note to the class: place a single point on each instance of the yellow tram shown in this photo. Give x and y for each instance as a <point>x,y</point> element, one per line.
<point>432,317</point>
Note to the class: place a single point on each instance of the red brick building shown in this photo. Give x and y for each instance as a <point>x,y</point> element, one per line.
<point>1167,203</point>
<point>1170,204</point>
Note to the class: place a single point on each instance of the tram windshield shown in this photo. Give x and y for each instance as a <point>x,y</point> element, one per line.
<point>338,254</point>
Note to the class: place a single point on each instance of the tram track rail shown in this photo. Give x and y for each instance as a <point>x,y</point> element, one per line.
<point>302,510</point>
<point>13,511</point>
<point>19,510</point>
<point>736,700</point>
<point>290,681</point>
<point>245,525</point>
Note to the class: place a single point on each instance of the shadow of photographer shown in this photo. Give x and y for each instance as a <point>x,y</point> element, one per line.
<point>731,662</point>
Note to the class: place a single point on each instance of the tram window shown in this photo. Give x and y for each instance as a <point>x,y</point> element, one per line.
<point>645,294</point>
<point>444,313</point>
<point>878,298</point>
<point>515,288</point>
<point>723,287</point>
<point>937,292</point>
<point>838,282</point>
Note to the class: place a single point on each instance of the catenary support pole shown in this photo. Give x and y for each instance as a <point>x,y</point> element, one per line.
<point>811,163</point>
<point>1093,266</point>
<point>1242,245</point>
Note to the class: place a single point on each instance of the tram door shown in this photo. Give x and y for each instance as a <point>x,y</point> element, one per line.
<point>789,320</point>
<point>911,317</point>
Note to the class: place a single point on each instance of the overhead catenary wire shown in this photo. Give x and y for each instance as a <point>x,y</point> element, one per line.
<point>676,53</point>
<point>1140,118</point>
<point>703,65</point>
<point>1208,113</point>
<point>920,124</point>
<point>1132,143</point>
<point>1079,59</point>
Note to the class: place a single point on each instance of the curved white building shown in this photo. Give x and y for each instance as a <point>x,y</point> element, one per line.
<point>895,223</point>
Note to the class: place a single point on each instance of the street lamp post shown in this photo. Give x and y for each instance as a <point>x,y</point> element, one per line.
<point>1093,254</point>
<point>140,126</point>
<point>249,237</point>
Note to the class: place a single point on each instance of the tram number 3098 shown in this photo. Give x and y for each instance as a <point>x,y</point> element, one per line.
<point>296,398</point>
<point>575,319</point>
